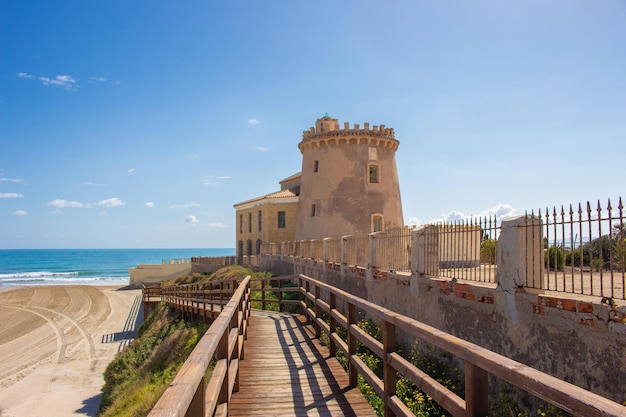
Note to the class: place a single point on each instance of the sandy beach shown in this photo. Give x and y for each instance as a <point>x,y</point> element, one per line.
<point>56,341</point>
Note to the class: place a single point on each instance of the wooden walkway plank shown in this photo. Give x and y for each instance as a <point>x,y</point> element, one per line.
<point>287,373</point>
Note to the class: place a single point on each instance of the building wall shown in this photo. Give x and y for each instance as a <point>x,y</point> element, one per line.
<point>336,195</point>
<point>270,232</point>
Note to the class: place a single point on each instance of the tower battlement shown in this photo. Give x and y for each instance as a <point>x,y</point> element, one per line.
<point>327,132</point>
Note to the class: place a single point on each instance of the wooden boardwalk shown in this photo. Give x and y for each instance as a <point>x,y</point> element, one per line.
<point>286,372</point>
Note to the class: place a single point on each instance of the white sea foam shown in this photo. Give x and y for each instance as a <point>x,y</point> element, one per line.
<point>59,278</point>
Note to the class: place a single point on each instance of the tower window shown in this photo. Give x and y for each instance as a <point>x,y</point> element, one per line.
<point>281,220</point>
<point>249,247</point>
<point>313,209</point>
<point>377,223</point>
<point>260,218</point>
<point>241,223</point>
<point>258,246</point>
<point>373,173</point>
<point>316,166</point>
<point>250,222</point>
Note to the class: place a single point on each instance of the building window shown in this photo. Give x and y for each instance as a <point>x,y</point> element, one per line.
<point>281,220</point>
<point>250,222</point>
<point>249,244</point>
<point>240,248</point>
<point>374,175</point>
<point>377,223</point>
<point>316,166</point>
<point>260,222</point>
<point>258,246</point>
<point>241,223</point>
<point>313,208</point>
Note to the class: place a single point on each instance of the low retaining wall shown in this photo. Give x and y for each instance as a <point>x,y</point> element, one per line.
<point>149,273</point>
<point>577,339</point>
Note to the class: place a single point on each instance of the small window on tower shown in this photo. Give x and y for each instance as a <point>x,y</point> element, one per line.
<point>374,177</point>
<point>377,224</point>
<point>313,208</point>
<point>316,166</point>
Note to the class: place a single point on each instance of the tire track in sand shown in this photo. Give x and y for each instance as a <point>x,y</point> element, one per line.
<point>60,335</point>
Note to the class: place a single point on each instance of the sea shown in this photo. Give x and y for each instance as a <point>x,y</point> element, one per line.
<point>19,267</point>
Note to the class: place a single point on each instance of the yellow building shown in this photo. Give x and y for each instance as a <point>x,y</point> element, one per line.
<point>269,218</point>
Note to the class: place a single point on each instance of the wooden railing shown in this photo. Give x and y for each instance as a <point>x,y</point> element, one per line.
<point>319,297</point>
<point>191,394</point>
<point>327,308</point>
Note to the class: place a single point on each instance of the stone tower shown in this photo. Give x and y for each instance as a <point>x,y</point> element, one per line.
<point>349,183</point>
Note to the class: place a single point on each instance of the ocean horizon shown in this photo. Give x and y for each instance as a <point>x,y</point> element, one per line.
<point>20,267</point>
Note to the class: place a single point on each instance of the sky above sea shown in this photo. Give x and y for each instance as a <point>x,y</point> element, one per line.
<point>140,124</point>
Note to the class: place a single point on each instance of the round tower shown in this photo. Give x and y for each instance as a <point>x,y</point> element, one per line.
<point>349,183</point>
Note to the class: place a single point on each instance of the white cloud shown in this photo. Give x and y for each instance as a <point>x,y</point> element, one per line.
<point>500,211</point>
<point>188,205</point>
<point>60,203</point>
<point>10,195</point>
<point>56,212</point>
<point>216,225</point>
<point>110,202</point>
<point>253,122</point>
<point>130,171</point>
<point>150,204</point>
<point>5,179</point>
<point>99,79</point>
<point>65,81</point>
<point>93,184</point>
<point>24,75</point>
<point>20,212</point>
<point>102,213</point>
<point>191,219</point>
<point>214,180</point>
<point>262,149</point>
<point>413,221</point>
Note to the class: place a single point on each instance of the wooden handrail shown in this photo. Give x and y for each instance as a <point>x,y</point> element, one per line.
<point>480,362</point>
<point>190,393</point>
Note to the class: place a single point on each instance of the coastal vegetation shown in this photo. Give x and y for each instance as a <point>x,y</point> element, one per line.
<point>138,376</point>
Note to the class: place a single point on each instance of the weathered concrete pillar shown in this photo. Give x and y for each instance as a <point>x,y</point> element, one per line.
<point>519,253</point>
<point>372,262</point>
<point>425,251</point>
<point>325,252</point>
<point>344,255</point>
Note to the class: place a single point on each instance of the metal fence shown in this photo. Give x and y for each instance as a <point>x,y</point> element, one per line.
<point>393,250</point>
<point>357,248</point>
<point>579,250</point>
<point>463,249</point>
<point>584,250</point>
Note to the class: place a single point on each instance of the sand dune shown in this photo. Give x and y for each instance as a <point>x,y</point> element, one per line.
<point>56,341</point>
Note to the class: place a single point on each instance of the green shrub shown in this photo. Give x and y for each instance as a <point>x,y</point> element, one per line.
<point>554,257</point>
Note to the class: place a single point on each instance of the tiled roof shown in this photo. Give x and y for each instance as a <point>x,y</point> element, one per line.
<point>271,196</point>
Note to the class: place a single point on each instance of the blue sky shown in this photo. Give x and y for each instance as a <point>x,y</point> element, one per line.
<point>140,124</point>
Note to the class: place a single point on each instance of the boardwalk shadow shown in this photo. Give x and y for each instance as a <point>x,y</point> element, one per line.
<point>303,357</point>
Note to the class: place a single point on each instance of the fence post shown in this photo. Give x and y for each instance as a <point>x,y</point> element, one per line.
<point>325,252</point>
<point>389,373</point>
<point>519,253</point>
<point>351,319</point>
<point>344,255</point>
<point>476,391</point>
<point>372,261</point>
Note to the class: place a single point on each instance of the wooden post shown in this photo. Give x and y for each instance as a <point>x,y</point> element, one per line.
<point>389,373</point>
<point>318,312</point>
<point>196,408</point>
<point>351,319</point>
<point>263,294</point>
<point>476,391</point>
<point>332,349</point>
